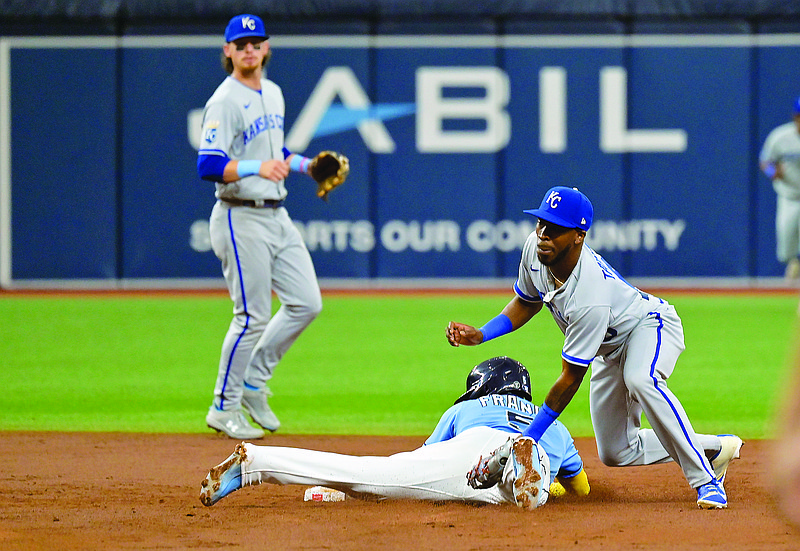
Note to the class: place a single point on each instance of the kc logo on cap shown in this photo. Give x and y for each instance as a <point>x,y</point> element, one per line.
<point>565,206</point>
<point>553,199</point>
<point>245,26</point>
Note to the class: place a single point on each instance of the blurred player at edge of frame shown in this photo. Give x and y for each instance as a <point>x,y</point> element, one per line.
<point>260,249</point>
<point>785,463</point>
<point>780,161</point>
<point>494,409</point>
<point>632,341</point>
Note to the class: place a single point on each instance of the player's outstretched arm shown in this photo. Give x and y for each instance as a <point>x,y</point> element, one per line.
<point>516,314</point>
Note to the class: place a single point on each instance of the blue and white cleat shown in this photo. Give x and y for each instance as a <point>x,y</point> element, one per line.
<point>223,479</point>
<point>529,477</point>
<point>731,444</point>
<point>711,495</point>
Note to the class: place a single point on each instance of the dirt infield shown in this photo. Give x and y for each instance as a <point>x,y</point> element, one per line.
<point>123,491</point>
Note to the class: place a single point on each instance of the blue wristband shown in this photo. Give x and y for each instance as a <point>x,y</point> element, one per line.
<point>496,327</point>
<point>248,168</point>
<point>769,170</point>
<point>544,418</point>
<point>299,163</point>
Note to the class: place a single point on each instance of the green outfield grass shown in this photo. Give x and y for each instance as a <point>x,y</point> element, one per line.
<point>367,365</point>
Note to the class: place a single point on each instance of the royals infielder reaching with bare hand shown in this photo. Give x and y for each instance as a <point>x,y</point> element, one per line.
<point>260,248</point>
<point>631,339</point>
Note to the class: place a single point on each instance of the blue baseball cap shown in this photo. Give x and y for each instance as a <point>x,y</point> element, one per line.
<point>565,206</point>
<point>796,106</point>
<point>244,26</point>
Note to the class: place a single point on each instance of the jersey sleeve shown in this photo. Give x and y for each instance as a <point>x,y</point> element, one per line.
<point>584,335</point>
<point>219,129</point>
<point>445,428</point>
<point>571,463</point>
<point>564,458</point>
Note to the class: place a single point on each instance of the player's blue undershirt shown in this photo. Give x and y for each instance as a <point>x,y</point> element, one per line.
<point>511,414</point>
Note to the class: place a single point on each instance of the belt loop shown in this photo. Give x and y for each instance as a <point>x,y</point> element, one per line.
<point>259,203</point>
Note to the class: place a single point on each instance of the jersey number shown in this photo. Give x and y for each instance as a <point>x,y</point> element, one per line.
<point>518,421</point>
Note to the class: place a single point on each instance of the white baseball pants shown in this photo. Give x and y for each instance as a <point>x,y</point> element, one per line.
<point>261,250</point>
<point>433,472</point>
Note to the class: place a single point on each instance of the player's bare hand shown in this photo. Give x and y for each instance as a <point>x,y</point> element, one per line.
<point>460,333</point>
<point>274,170</point>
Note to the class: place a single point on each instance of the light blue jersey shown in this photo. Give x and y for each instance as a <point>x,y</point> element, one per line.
<point>511,414</point>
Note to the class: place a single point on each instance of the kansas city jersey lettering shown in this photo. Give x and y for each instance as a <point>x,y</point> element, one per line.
<point>608,271</point>
<point>611,273</point>
<point>266,122</point>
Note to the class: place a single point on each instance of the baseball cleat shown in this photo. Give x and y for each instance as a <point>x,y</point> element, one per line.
<point>224,478</point>
<point>233,424</point>
<point>527,480</point>
<point>255,402</point>
<point>488,472</point>
<point>711,496</point>
<point>729,451</point>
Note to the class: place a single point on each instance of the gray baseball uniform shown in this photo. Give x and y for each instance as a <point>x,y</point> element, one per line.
<point>260,248</point>
<point>782,146</point>
<point>632,341</point>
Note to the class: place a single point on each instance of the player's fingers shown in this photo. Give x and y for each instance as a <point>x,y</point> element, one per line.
<point>451,334</point>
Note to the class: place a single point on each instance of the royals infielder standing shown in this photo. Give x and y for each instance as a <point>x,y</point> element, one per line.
<point>780,161</point>
<point>631,339</point>
<point>260,248</point>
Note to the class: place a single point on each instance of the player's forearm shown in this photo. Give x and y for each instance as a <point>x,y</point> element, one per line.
<point>516,314</point>
<point>565,387</point>
<point>521,312</point>
<point>557,399</point>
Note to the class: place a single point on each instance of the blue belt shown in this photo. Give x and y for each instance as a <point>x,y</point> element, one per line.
<point>255,203</point>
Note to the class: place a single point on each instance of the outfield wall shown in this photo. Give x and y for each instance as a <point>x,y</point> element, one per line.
<point>450,137</point>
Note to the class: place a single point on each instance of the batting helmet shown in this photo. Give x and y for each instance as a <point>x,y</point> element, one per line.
<point>500,375</point>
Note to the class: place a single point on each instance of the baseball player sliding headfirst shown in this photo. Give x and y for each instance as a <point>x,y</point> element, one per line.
<point>631,339</point>
<point>495,407</point>
<point>260,249</point>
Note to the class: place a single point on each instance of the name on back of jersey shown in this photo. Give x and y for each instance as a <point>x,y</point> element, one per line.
<point>509,401</point>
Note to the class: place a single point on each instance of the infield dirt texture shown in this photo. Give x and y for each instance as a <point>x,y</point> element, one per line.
<point>125,491</point>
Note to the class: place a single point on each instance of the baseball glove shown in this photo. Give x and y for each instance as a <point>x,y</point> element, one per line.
<point>329,169</point>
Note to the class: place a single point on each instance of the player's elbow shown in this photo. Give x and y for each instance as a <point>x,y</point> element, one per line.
<point>211,167</point>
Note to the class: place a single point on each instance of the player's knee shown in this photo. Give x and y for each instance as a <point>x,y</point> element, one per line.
<point>614,457</point>
<point>607,458</point>
<point>308,310</point>
<point>638,384</point>
<point>314,307</point>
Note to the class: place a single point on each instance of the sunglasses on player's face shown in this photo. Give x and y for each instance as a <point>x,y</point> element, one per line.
<point>242,43</point>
